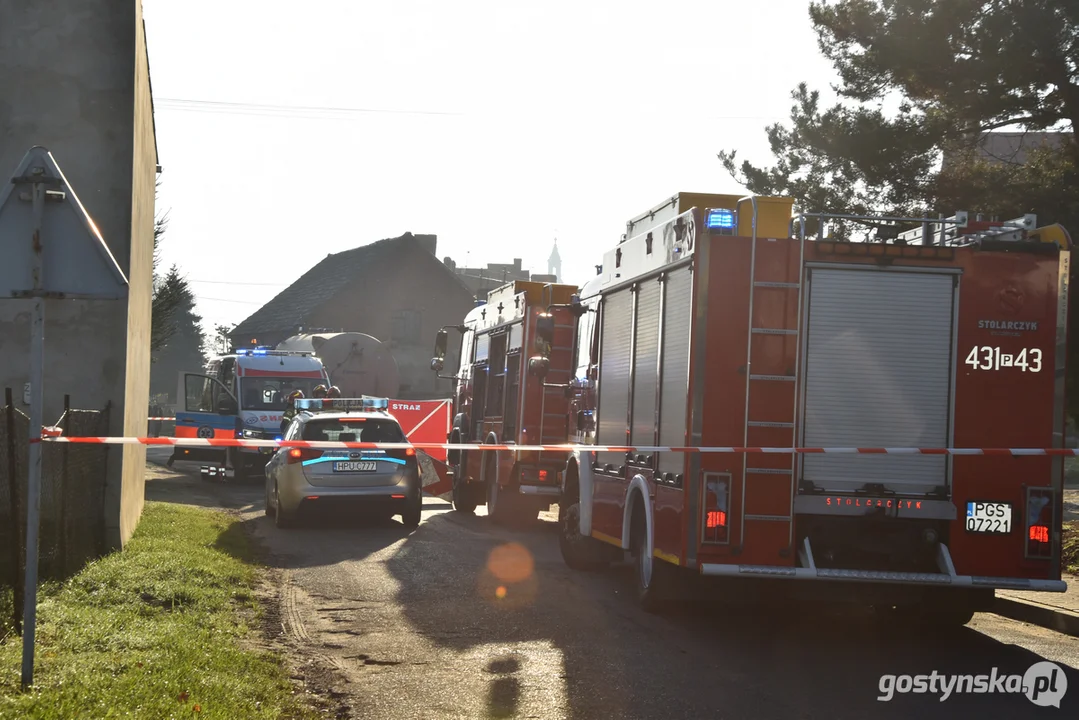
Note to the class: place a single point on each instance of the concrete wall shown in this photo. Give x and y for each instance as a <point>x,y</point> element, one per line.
<point>74,78</point>
<point>414,281</point>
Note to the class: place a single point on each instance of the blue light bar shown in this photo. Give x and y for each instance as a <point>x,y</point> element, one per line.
<point>361,403</point>
<point>257,351</point>
<point>720,218</point>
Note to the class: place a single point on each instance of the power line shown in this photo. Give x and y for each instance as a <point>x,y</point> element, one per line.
<point>242,302</point>
<point>258,108</point>
<point>222,107</point>
<point>230,282</point>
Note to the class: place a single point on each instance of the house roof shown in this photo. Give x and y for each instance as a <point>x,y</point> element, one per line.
<point>292,306</point>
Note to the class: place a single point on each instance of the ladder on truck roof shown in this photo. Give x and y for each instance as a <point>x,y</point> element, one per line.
<point>752,378</point>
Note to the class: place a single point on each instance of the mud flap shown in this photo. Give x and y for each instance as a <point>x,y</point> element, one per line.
<point>435,476</point>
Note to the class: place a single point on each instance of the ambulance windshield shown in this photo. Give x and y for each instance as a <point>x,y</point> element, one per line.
<point>269,393</point>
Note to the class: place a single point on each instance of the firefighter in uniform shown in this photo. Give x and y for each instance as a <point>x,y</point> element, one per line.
<point>319,391</point>
<point>290,409</point>
<point>333,392</point>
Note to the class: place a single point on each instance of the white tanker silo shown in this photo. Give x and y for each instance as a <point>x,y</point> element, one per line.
<point>357,363</point>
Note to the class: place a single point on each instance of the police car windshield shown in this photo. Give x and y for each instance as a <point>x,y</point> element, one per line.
<point>270,393</point>
<point>354,429</point>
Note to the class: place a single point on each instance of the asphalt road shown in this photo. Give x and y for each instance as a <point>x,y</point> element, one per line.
<point>461,619</point>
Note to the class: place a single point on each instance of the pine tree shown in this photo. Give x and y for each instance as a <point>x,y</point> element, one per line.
<point>954,70</point>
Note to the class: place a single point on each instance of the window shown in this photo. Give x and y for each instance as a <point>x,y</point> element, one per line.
<point>227,374</point>
<point>269,393</point>
<point>513,384</point>
<point>406,326</point>
<point>198,394</point>
<point>293,432</point>
<point>353,429</point>
<point>584,344</point>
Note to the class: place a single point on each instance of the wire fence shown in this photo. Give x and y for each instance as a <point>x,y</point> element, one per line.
<point>73,479</point>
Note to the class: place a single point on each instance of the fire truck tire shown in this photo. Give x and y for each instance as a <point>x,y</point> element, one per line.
<point>464,500</point>
<point>653,578</point>
<point>579,552</point>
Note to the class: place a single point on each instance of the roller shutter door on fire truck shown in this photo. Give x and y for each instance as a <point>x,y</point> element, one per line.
<point>878,373</point>
<point>677,310</point>
<point>615,338</point>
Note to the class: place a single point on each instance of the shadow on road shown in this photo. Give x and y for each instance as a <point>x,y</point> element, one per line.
<point>506,598</point>
<point>701,659</point>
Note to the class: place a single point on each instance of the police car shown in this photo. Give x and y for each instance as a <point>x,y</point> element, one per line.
<point>301,479</point>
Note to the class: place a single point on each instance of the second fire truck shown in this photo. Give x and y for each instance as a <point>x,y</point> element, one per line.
<point>511,388</point>
<point>717,323</point>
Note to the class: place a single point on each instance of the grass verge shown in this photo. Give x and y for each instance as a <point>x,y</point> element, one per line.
<point>1070,554</point>
<point>160,630</point>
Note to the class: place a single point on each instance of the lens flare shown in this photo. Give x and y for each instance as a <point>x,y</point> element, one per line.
<point>511,563</point>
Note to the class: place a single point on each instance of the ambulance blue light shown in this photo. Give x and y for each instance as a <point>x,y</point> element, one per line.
<point>720,218</point>
<point>258,351</point>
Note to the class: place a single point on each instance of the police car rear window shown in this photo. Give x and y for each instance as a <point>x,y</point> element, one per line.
<point>361,430</point>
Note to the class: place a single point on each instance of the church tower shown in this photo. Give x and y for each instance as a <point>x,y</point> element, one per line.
<point>554,263</point>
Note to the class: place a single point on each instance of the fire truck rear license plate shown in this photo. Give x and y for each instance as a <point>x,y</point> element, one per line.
<point>989,517</point>
<point>355,466</point>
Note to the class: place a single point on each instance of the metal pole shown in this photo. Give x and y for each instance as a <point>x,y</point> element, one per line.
<point>33,494</point>
<point>16,513</point>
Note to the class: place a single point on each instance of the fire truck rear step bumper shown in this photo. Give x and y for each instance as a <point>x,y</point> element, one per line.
<point>539,490</point>
<point>947,576</point>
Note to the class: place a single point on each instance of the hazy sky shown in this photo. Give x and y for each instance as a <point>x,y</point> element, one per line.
<point>496,126</point>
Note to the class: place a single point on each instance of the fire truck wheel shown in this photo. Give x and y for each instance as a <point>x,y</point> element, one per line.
<point>652,577</point>
<point>578,551</point>
<point>464,498</point>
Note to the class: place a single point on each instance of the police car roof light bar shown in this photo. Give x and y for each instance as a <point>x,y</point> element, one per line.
<point>365,402</point>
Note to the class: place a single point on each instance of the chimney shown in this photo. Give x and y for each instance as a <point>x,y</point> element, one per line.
<point>428,242</point>
<point>448,262</point>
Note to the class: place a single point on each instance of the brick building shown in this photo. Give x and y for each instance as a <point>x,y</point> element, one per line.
<point>395,290</point>
<point>482,280</point>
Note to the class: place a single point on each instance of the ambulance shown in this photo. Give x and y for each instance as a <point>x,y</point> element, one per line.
<point>242,395</point>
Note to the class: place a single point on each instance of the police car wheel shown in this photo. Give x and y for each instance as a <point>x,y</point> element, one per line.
<point>410,518</point>
<point>281,519</point>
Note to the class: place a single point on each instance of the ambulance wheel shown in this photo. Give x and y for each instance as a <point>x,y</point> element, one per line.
<point>653,577</point>
<point>579,552</point>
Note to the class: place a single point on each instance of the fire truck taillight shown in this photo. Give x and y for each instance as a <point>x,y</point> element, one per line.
<point>716,519</point>
<point>1039,512</point>
<point>717,495</point>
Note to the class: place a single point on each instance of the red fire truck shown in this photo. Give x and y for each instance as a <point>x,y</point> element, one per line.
<point>511,389</point>
<point>716,323</point>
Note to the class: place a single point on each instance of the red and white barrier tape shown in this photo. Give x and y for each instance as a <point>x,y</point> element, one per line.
<point>321,445</point>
